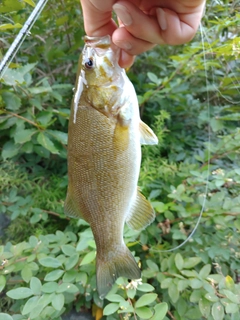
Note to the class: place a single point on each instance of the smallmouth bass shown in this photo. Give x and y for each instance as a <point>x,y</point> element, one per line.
<point>104,156</point>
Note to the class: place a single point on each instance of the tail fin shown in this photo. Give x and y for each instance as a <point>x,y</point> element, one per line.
<point>121,264</point>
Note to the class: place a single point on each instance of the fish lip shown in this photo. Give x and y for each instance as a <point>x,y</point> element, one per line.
<point>96,41</point>
<point>101,43</point>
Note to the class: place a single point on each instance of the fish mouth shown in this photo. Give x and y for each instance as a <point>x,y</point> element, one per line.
<point>98,42</point>
<point>101,45</point>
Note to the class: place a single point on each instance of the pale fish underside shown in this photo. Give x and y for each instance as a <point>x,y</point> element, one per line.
<point>104,155</point>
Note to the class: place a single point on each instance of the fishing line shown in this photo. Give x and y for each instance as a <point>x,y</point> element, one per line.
<point>208,153</point>
<point>214,82</point>
<point>15,46</point>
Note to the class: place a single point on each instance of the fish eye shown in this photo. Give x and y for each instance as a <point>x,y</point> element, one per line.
<point>89,63</point>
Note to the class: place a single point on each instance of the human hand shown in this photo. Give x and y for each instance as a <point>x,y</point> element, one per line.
<point>142,23</point>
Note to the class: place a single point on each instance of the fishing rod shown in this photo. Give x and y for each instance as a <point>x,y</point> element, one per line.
<point>7,59</point>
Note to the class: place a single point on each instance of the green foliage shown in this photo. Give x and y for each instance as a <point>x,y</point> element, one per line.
<point>190,96</point>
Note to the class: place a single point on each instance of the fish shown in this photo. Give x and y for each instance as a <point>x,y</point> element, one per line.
<point>104,156</point>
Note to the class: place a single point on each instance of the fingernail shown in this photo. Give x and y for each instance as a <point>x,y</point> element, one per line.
<point>123,45</point>
<point>122,14</point>
<point>161,16</point>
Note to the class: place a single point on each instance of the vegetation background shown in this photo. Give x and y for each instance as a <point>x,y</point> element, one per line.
<point>190,95</point>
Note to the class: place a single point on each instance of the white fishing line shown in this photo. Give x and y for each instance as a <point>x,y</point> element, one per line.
<point>12,51</point>
<point>208,162</point>
<point>213,75</point>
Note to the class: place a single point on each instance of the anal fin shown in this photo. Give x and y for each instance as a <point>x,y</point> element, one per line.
<point>141,213</point>
<point>70,208</point>
<point>147,136</point>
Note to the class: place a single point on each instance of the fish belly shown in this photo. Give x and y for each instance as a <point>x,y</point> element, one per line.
<point>103,173</point>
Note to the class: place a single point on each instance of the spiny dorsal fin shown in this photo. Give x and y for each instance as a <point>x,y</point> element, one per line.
<point>147,136</point>
<point>141,213</point>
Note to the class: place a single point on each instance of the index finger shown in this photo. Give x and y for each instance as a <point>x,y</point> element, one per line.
<point>98,17</point>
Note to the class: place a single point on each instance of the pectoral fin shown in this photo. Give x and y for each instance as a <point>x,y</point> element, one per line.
<point>147,136</point>
<point>141,213</point>
<point>70,208</point>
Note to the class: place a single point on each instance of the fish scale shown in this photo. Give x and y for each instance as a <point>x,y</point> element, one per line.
<point>104,155</point>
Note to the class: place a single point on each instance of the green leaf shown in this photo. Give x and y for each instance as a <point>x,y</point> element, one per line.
<point>205,271</point>
<point>204,307</point>
<point>68,250</point>
<point>44,118</point>
<point>35,285</point>
<point>196,283</point>
<point>211,297</point>
<point>152,265</point>
<point>229,283</point>
<point>47,143</point>
<point>145,287</point>
<point>231,296</point>
<point>24,135</point>
<point>70,275</point>
<point>5,316</point>
<point>58,301</point>
<point>153,78</point>
<point>59,136</point>
<point>8,26</point>
<point>67,287</point>
<point>71,261</point>
<point>20,293</point>
<point>191,262</point>
<point>145,300</point>
<point>30,305</point>
<point>49,287</point>
<point>183,284</point>
<point>12,77</point>
<point>89,257</point>
<point>161,310</point>
<point>179,261</point>
<point>144,312</point>
<point>26,273</point>
<point>2,282</point>
<point>173,292</point>
<point>232,308</point>
<point>9,150</point>
<point>30,2</point>
<point>54,275</point>
<point>50,262</point>
<point>110,309</point>
<point>217,311</point>
<point>131,293</point>
<point>82,278</point>
<point>113,297</point>
<point>10,5</point>
<point>12,101</point>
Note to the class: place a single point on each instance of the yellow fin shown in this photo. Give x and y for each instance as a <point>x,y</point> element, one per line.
<point>121,264</point>
<point>70,209</point>
<point>141,213</point>
<point>147,136</point>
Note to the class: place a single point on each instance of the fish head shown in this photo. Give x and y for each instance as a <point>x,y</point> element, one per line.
<point>101,82</point>
<point>100,61</point>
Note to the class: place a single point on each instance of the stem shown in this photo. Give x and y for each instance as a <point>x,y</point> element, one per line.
<point>22,118</point>
<point>134,314</point>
